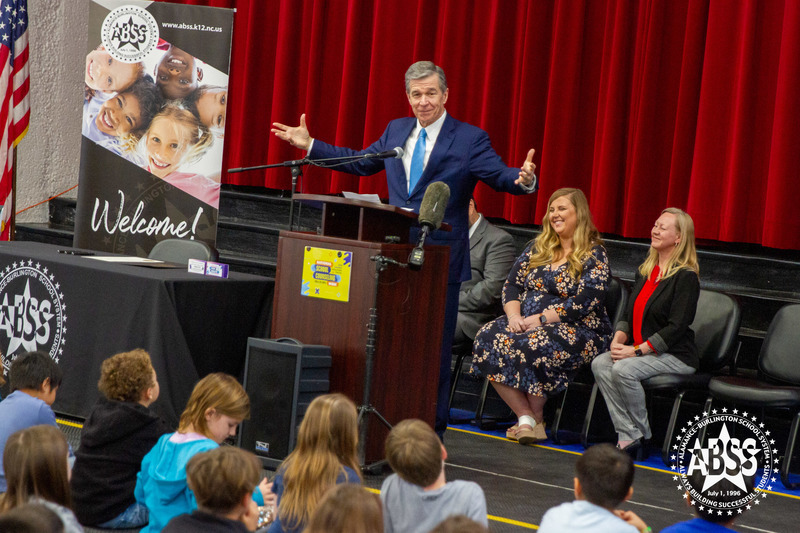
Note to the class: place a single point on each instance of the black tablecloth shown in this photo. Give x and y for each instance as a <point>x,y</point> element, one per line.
<point>82,311</point>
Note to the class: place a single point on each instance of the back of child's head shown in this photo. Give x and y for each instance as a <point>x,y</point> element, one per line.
<point>347,508</point>
<point>326,442</point>
<point>31,518</point>
<point>606,474</point>
<point>330,425</point>
<point>220,478</point>
<point>217,391</point>
<point>725,494</point>
<point>459,524</point>
<point>29,370</point>
<point>35,464</point>
<point>414,452</point>
<point>126,376</point>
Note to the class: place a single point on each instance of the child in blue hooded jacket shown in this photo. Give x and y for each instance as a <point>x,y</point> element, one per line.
<point>217,406</point>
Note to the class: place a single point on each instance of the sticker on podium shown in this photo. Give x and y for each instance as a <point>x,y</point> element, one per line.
<point>326,274</point>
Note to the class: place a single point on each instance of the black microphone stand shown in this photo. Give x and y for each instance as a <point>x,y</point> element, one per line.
<point>366,408</point>
<point>296,166</point>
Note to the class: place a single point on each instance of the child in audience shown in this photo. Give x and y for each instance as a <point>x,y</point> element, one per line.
<point>326,454</point>
<point>115,438</point>
<point>175,137</point>
<point>34,378</point>
<point>459,524</point>
<point>37,471</point>
<point>705,522</point>
<point>31,518</point>
<point>222,481</point>
<point>216,407</point>
<point>417,497</point>
<point>603,480</point>
<point>347,508</point>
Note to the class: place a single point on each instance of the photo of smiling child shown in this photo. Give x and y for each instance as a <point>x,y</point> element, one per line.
<point>208,103</point>
<point>108,75</point>
<point>177,74</point>
<point>120,121</point>
<point>176,138</point>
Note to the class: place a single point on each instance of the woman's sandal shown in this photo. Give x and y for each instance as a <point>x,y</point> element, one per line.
<point>511,433</point>
<point>533,435</point>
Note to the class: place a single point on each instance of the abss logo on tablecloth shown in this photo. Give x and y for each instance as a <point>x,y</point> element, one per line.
<point>32,312</point>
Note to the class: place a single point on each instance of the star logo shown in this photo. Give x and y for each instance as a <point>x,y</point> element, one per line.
<point>129,33</point>
<point>31,311</point>
<point>728,470</point>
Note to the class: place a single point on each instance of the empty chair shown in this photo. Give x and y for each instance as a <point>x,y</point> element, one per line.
<point>181,250</point>
<point>778,384</point>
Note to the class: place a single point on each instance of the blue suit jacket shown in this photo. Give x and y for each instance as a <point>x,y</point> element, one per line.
<point>461,156</point>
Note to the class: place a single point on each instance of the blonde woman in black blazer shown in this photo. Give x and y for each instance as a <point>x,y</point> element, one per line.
<point>653,336</point>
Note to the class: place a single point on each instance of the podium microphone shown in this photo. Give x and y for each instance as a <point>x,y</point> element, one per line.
<point>431,214</point>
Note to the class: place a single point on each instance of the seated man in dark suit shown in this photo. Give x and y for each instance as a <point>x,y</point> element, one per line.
<point>491,255</point>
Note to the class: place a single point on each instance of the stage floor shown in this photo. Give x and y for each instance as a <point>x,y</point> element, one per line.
<point>522,482</point>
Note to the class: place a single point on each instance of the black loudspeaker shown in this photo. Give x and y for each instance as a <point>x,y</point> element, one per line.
<point>281,377</point>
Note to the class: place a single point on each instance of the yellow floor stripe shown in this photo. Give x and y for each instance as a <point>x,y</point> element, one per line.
<point>512,522</point>
<point>69,423</point>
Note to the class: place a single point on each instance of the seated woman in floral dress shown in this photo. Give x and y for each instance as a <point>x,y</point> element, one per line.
<point>555,320</point>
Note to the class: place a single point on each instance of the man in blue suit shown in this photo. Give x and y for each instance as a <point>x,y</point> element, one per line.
<point>436,147</point>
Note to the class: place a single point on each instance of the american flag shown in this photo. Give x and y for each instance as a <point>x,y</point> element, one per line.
<point>14,87</point>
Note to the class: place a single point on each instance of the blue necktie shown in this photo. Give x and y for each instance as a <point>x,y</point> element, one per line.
<point>417,160</point>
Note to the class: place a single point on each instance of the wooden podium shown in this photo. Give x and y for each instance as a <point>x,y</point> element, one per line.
<point>410,310</point>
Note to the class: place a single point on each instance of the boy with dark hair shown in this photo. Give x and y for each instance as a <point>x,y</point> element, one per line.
<point>416,498</point>
<point>603,480</point>
<point>119,432</point>
<point>222,480</point>
<point>714,522</point>
<point>34,378</point>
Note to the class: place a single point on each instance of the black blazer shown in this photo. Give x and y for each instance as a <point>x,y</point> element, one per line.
<point>667,315</point>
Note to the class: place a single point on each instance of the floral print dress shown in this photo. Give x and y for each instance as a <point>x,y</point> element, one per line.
<point>543,360</point>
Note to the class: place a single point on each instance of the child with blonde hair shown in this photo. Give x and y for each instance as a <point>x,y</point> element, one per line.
<point>37,471</point>
<point>216,407</point>
<point>326,454</point>
<point>119,432</point>
<point>176,137</point>
<point>105,73</point>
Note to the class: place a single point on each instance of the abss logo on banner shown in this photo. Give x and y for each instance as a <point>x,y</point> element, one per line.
<point>32,312</point>
<point>129,33</point>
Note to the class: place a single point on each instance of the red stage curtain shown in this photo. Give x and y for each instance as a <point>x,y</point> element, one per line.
<point>642,104</point>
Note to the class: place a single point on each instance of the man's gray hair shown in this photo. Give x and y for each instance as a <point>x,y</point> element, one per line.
<point>423,69</point>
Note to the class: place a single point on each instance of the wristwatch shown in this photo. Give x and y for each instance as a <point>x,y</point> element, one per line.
<point>637,351</point>
<point>543,319</point>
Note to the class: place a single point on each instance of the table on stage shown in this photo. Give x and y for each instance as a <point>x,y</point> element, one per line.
<point>82,310</point>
